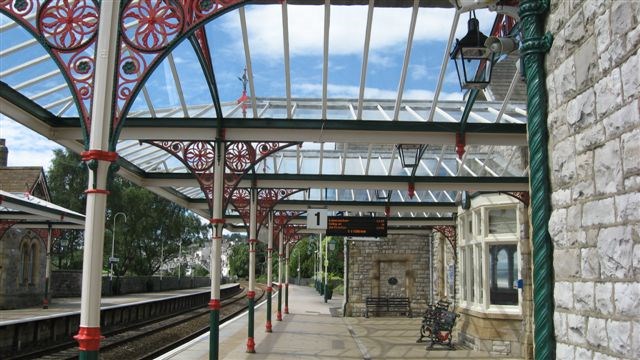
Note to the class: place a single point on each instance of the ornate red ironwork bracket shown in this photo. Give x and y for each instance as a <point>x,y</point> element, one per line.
<point>449,232</point>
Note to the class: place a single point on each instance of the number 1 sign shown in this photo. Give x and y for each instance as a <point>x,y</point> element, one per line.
<point>317,219</point>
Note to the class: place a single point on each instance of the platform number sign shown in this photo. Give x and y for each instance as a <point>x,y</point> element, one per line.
<point>317,219</point>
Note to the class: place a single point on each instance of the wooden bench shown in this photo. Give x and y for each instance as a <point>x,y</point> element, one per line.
<point>401,305</point>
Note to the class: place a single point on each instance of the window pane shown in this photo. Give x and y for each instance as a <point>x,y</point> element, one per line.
<point>469,251</point>
<point>503,270</point>
<point>465,271</point>
<point>479,264</point>
<point>502,221</point>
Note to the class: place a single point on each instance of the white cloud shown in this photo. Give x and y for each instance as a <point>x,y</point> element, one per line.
<point>418,72</point>
<point>350,91</point>
<point>390,28</point>
<point>26,147</point>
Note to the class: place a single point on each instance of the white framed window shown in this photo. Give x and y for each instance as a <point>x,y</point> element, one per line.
<point>490,255</point>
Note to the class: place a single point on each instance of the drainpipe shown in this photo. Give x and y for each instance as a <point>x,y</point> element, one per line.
<point>533,49</point>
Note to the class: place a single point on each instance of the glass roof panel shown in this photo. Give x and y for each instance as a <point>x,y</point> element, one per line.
<point>177,89</point>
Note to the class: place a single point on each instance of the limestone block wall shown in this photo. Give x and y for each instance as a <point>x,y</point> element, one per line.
<point>68,283</point>
<point>14,292</point>
<point>373,263</point>
<point>593,79</point>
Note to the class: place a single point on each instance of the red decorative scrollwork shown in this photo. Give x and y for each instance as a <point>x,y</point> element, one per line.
<point>199,155</point>
<point>239,156</point>
<point>148,31</point>
<point>21,8</point>
<point>449,232</point>
<point>67,29</point>
<point>151,25</point>
<point>523,196</point>
<point>67,24</point>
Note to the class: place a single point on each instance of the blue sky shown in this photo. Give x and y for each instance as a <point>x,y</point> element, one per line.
<point>347,30</point>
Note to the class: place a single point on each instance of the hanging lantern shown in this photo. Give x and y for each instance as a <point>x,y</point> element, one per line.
<point>410,154</point>
<point>383,194</point>
<point>472,58</point>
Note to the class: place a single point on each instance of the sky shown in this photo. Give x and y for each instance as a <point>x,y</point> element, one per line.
<point>265,35</point>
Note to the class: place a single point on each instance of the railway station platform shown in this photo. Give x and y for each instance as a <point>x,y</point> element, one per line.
<point>68,306</point>
<point>315,330</point>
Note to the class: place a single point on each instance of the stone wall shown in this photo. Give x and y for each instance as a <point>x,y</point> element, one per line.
<point>68,283</point>
<point>372,265</point>
<point>14,291</point>
<point>593,79</point>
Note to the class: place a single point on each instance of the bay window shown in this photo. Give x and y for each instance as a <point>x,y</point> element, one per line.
<point>489,254</point>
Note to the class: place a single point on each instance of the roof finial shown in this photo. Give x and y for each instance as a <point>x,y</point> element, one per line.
<point>244,79</point>
<point>243,99</point>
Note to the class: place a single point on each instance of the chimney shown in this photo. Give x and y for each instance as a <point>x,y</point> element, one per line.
<point>4,153</point>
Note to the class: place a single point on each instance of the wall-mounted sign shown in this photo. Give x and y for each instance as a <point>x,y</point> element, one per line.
<point>356,226</point>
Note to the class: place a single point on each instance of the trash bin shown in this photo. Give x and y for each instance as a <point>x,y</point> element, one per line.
<point>329,293</point>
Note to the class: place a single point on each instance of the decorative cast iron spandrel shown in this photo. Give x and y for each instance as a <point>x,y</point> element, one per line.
<point>523,196</point>
<point>239,156</point>
<point>281,218</point>
<point>149,30</point>
<point>198,157</point>
<point>449,232</point>
<point>67,30</point>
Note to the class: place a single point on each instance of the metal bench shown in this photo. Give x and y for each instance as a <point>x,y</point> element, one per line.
<point>400,305</point>
<point>443,329</point>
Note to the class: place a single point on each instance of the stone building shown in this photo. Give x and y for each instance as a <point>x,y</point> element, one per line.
<point>593,80</point>
<point>22,252</point>
<point>593,83</point>
<point>27,220</point>
<point>395,266</point>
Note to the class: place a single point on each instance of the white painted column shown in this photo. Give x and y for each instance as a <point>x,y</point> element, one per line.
<point>101,114</point>
<point>47,271</point>
<point>251,293</point>
<point>268,327</point>
<point>326,269</point>
<point>280,258</point>
<point>286,279</point>
<point>217,222</point>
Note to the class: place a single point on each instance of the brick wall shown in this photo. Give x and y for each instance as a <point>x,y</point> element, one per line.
<point>593,79</point>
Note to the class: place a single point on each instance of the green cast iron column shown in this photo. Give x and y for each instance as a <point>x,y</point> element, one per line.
<point>214,325</point>
<point>533,49</point>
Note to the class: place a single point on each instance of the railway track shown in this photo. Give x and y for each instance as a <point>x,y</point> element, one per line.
<point>153,338</point>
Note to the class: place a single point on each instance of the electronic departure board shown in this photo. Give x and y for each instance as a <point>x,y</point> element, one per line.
<point>356,226</point>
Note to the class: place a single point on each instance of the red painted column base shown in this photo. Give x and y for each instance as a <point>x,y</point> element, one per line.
<point>45,303</point>
<point>88,338</point>
<point>268,327</point>
<point>278,316</point>
<point>251,345</point>
<point>214,304</point>
<point>286,309</point>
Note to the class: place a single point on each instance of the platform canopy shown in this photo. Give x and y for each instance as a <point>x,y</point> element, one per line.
<point>26,211</point>
<point>346,89</point>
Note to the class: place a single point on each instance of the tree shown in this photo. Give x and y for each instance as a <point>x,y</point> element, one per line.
<point>154,225</point>
<point>239,259</point>
<point>67,179</point>
<point>154,231</point>
<point>307,248</point>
